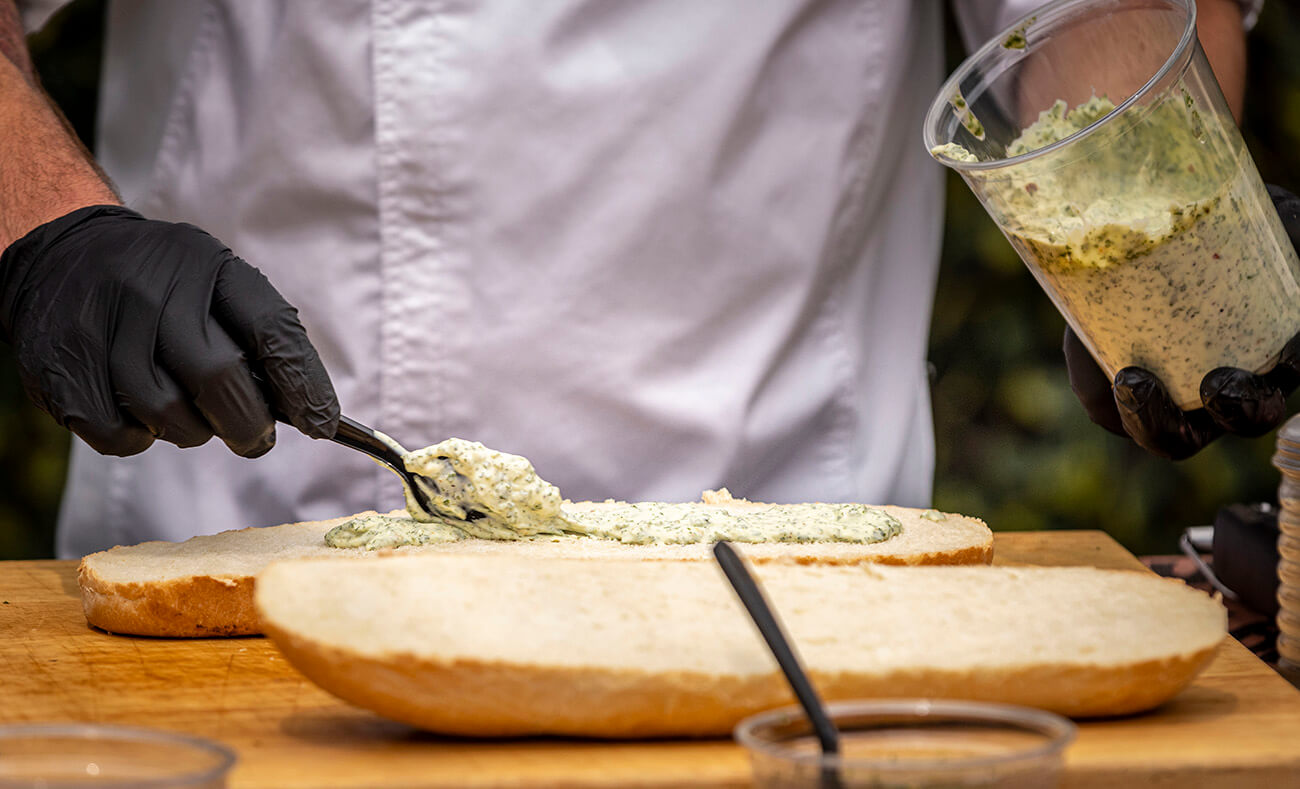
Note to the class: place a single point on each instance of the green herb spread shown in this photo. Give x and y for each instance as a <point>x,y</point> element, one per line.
<point>667,524</point>
<point>1017,39</point>
<point>966,115</point>
<point>953,151</point>
<point>374,530</point>
<point>482,493</point>
<point>485,493</point>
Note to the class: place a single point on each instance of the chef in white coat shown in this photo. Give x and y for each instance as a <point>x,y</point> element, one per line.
<point>655,247</point>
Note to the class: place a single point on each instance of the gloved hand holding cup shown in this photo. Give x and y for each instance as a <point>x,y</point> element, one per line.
<point>1097,139</point>
<point>1136,403</point>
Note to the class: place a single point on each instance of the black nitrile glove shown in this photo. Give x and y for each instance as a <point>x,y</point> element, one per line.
<point>1236,401</point>
<point>127,329</point>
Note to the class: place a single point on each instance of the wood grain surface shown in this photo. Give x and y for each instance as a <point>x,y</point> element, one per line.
<point>1237,726</point>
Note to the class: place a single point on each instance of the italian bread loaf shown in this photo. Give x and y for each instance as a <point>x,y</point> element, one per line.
<point>204,586</point>
<point>505,645</point>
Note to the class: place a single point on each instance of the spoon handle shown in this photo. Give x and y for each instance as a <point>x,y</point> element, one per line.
<point>355,435</point>
<point>751,595</point>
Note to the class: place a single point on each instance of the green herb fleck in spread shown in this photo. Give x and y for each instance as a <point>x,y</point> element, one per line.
<point>1017,39</point>
<point>966,115</point>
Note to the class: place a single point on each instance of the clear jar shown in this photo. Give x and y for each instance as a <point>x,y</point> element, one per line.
<point>109,757</point>
<point>1142,214</point>
<point>1287,461</point>
<point>910,742</point>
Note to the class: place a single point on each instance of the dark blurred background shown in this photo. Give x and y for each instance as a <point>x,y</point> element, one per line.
<point>1014,447</point>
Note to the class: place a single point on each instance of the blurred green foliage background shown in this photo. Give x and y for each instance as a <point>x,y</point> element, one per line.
<point>1014,447</point>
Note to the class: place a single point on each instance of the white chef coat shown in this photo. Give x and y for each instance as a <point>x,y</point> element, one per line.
<point>655,247</point>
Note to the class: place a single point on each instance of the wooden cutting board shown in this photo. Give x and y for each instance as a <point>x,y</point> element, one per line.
<point>1237,726</point>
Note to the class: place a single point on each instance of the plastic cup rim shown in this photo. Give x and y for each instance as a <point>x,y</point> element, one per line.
<point>1047,12</point>
<point>1288,528</point>
<point>1059,731</point>
<point>109,733</point>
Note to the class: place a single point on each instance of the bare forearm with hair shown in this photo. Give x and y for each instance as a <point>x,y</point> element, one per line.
<point>1218,25</point>
<point>13,45</point>
<point>45,171</point>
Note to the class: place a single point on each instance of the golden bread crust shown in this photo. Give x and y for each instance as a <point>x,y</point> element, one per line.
<point>493,699</point>
<point>193,607</point>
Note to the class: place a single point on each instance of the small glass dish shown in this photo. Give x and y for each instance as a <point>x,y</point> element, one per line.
<point>910,742</point>
<point>59,756</point>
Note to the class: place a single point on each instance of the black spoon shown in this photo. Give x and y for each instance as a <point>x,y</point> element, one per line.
<point>751,595</point>
<point>355,435</point>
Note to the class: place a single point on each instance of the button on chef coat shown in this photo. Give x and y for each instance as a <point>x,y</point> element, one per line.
<point>655,247</point>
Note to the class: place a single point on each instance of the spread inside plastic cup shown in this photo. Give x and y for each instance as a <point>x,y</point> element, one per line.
<point>76,755</point>
<point>1094,134</point>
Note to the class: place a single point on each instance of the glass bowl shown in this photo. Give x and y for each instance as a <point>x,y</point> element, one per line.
<point>55,756</point>
<point>910,742</point>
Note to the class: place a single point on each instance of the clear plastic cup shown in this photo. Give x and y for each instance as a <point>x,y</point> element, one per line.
<point>1133,200</point>
<point>1288,661</point>
<point>1288,571</point>
<point>1288,522</point>
<point>1287,461</point>
<point>1289,596</point>
<point>59,756</point>
<point>1288,622</point>
<point>1288,491</point>
<point>910,742</point>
